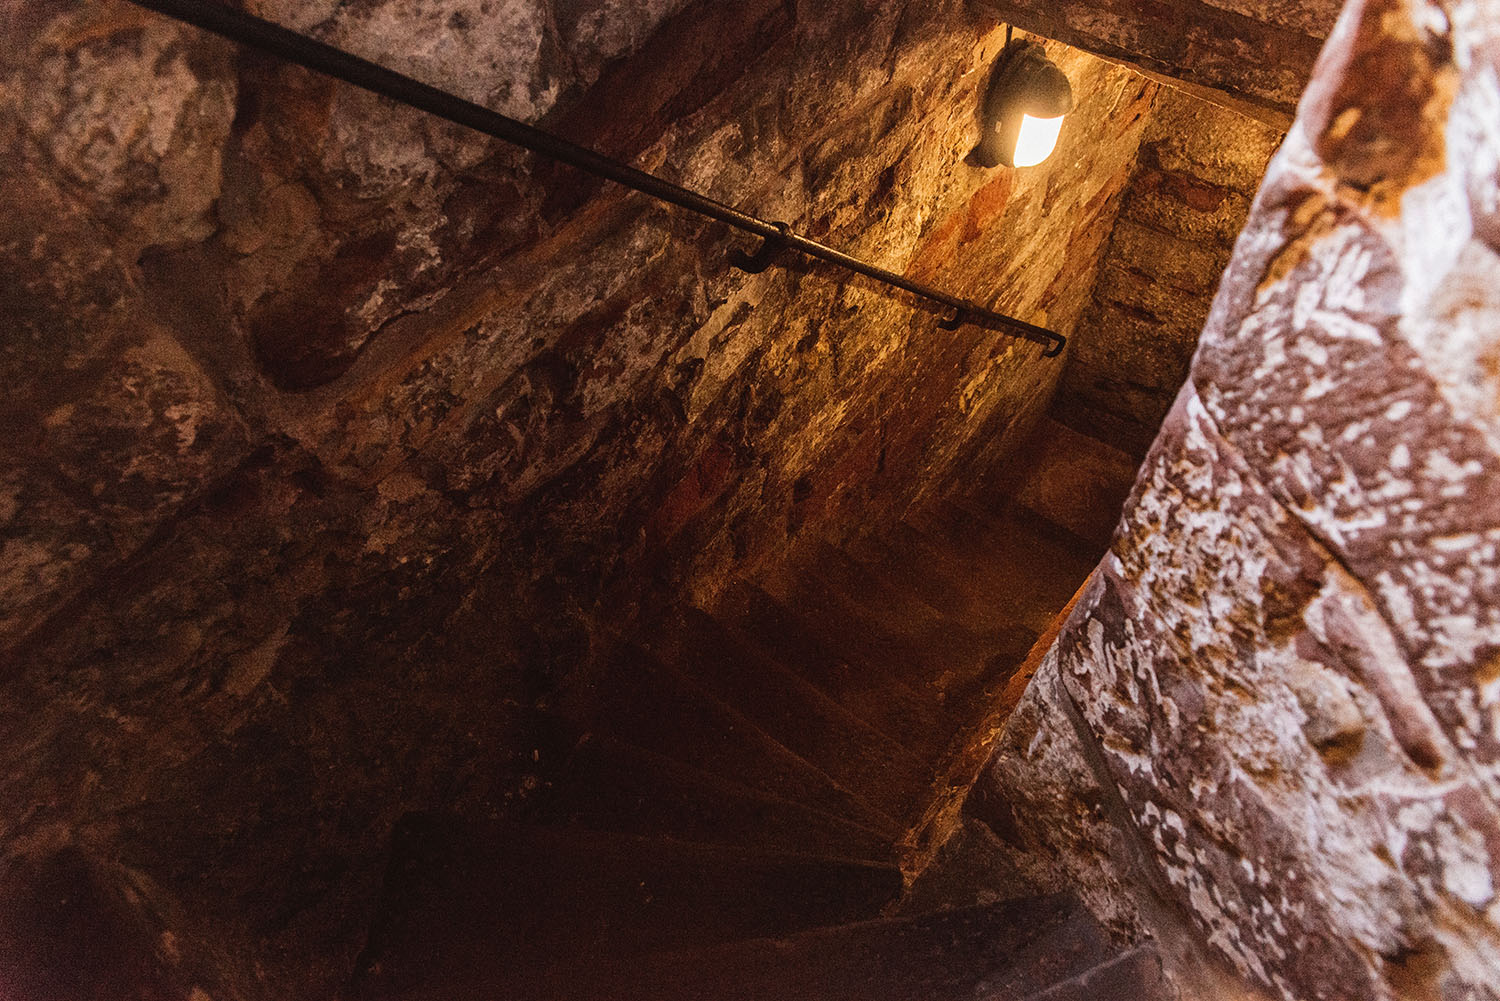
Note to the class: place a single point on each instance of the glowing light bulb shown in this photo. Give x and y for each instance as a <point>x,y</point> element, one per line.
<point>1037,139</point>
<point>1023,108</point>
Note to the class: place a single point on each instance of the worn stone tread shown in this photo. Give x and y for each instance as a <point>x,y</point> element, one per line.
<point>972,867</point>
<point>878,696</point>
<point>610,785</point>
<point>939,574</point>
<point>650,704</point>
<point>962,581</point>
<point>891,597</point>
<point>1136,975</point>
<point>797,714</point>
<point>1022,567</point>
<point>967,590</point>
<point>997,952</point>
<point>930,653</point>
<point>485,904</point>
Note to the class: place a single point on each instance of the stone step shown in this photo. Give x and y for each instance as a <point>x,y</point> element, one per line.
<point>643,702</point>
<point>893,598</point>
<point>948,579</point>
<point>960,587</point>
<point>877,696</point>
<point>1134,974</point>
<point>929,653</point>
<point>1022,566</point>
<point>72,926</point>
<point>971,867</point>
<point>479,909</point>
<point>851,632</point>
<point>1001,952</point>
<point>797,715</point>
<point>962,583</point>
<point>609,785</point>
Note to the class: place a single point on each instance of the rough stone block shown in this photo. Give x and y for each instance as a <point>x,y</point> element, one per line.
<point>151,431</point>
<point>129,111</point>
<point>1187,265</point>
<point>1214,144</point>
<point>50,545</point>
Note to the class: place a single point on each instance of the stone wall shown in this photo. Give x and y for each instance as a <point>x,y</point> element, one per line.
<point>1274,707</point>
<point>337,439</point>
<point>1199,168</point>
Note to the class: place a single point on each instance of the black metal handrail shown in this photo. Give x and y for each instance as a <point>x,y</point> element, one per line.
<point>246,29</point>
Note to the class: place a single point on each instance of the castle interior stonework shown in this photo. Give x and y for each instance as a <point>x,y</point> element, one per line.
<point>428,572</point>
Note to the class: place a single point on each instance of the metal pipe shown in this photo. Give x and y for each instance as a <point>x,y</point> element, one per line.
<point>255,32</point>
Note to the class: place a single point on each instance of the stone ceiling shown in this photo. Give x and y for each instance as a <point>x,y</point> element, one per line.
<point>1254,56</point>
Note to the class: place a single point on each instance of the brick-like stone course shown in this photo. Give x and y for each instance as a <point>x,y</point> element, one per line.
<point>1198,170</point>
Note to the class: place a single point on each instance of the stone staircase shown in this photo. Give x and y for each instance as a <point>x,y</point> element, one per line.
<point>729,821</point>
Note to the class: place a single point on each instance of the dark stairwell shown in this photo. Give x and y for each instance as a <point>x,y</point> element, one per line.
<point>433,576</point>
<point>734,815</point>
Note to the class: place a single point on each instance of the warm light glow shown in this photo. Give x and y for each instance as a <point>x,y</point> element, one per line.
<point>1038,137</point>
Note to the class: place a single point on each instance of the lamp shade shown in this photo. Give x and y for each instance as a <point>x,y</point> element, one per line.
<point>1023,108</point>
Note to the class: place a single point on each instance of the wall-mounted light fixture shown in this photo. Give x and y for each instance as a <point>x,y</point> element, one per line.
<point>1023,109</point>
